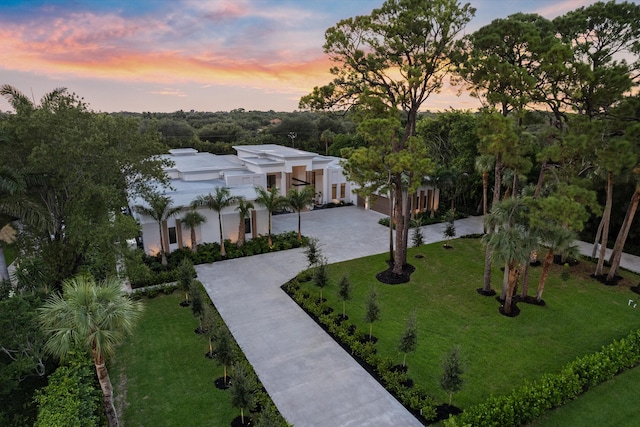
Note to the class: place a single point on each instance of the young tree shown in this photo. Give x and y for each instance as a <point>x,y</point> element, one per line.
<point>244,208</point>
<point>272,200</point>
<point>92,316</point>
<point>321,276</point>
<point>197,303</point>
<point>484,165</point>
<point>559,240</point>
<point>159,208</point>
<point>398,54</point>
<point>224,352</point>
<point>409,338</point>
<point>217,202</point>
<point>299,200</point>
<point>450,228</point>
<point>185,273</point>
<point>451,380</point>
<point>372,309</point>
<point>344,293</point>
<point>313,252</point>
<point>243,389</point>
<point>192,219</point>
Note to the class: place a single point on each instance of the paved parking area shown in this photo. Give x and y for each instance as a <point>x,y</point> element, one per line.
<point>310,378</point>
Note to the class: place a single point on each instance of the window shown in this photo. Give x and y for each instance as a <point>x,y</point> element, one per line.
<point>247,225</point>
<point>334,190</point>
<point>172,235</point>
<point>343,190</point>
<point>271,181</point>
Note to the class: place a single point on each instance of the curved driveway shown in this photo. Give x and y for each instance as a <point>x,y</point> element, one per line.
<point>310,378</point>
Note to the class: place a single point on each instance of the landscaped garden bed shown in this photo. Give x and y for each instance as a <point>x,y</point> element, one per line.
<point>500,354</point>
<point>161,376</point>
<point>145,270</point>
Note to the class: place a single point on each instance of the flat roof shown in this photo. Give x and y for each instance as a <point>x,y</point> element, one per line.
<point>193,161</point>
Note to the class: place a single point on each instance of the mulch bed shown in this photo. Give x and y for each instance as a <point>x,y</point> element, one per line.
<point>390,278</point>
<point>237,421</point>
<point>221,385</point>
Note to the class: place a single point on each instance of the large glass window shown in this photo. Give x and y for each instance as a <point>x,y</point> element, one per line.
<point>247,225</point>
<point>271,181</point>
<point>173,238</point>
<point>334,191</point>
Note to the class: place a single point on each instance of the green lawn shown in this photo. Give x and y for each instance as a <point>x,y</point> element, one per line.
<point>499,352</point>
<point>161,376</point>
<point>610,404</point>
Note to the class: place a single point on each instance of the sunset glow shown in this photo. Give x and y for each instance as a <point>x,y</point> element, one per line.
<point>214,55</point>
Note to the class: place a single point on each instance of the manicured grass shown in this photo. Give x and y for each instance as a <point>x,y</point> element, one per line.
<point>610,404</point>
<point>160,373</point>
<point>500,353</point>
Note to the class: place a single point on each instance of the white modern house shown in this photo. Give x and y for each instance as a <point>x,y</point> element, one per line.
<point>194,174</point>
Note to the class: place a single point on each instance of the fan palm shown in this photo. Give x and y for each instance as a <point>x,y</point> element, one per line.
<point>272,200</point>
<point>243,208</point>
<point>93,316</point>
<point>160,209</point>
<point>192,219</point>
<point>220,199</point>
<point>298,200</point>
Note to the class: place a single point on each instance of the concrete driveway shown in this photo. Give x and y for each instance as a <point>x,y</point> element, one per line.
<point>310,378</point>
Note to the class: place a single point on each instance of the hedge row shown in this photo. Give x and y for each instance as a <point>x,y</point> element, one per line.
<point>396,381</point>
<point>532,400</point>
<point>152,272</point>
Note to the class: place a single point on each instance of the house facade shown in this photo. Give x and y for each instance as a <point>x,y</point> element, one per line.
<point>194,174</point>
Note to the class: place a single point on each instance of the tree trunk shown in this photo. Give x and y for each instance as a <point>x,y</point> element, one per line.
<point>543,169</point>
<point>269,231</point>
<point>370,330</point>
<point>299,227</point>
<point>4,268</point>
<point>605,224</point>
<point>107,390</point>
<point>194,247</point>
<point>485,188</point>
<point>391,220</point>
<point>404,360</point>
<point>594,252</point>
<point>487,271</point>
<point>407,224</point>
<point>242,416</point>
<point>241,233</point>
<point>223,252</point>
<point>525,282</point>
<point>505,281</point>
<point>623,234</point>
<point>497,179</point>
<point>162,250</point>
<point>511,284</point>
<point>400,255</point>
<point>548,259</point>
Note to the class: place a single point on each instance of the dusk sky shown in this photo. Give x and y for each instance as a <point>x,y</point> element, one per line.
<point>203,55</point>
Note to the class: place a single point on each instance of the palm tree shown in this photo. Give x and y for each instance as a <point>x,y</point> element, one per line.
<point>272,200</point>
<point>220,199</point>
<point>244,207</point>
<point>160,209</point>
<point>511,242</point>
<point>484,165</point>
<point>93,316</point>
<point>193,219</point>
<point>559,240</point>
<point>298,200</point>
<point>14,203</point>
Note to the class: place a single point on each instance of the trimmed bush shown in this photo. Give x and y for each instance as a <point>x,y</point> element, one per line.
<point>532,400</point>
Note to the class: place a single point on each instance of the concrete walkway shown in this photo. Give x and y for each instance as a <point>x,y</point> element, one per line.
<point>310,378</point>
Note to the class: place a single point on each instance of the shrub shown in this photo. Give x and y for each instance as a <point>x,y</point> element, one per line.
<point>532,400</point>
<point>72,397</point>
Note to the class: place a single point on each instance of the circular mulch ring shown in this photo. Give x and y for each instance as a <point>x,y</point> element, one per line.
<point>237,421</point>
<point>532,300</point>
<point>603,279</point>
<point>221,385</point>
<point>484,293</point>
<point>443,411</point>
<point>390,278</point>
<point>515,311</point>
<point>419,256</point>
<point>185,304</point>
<point>635,289</point>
